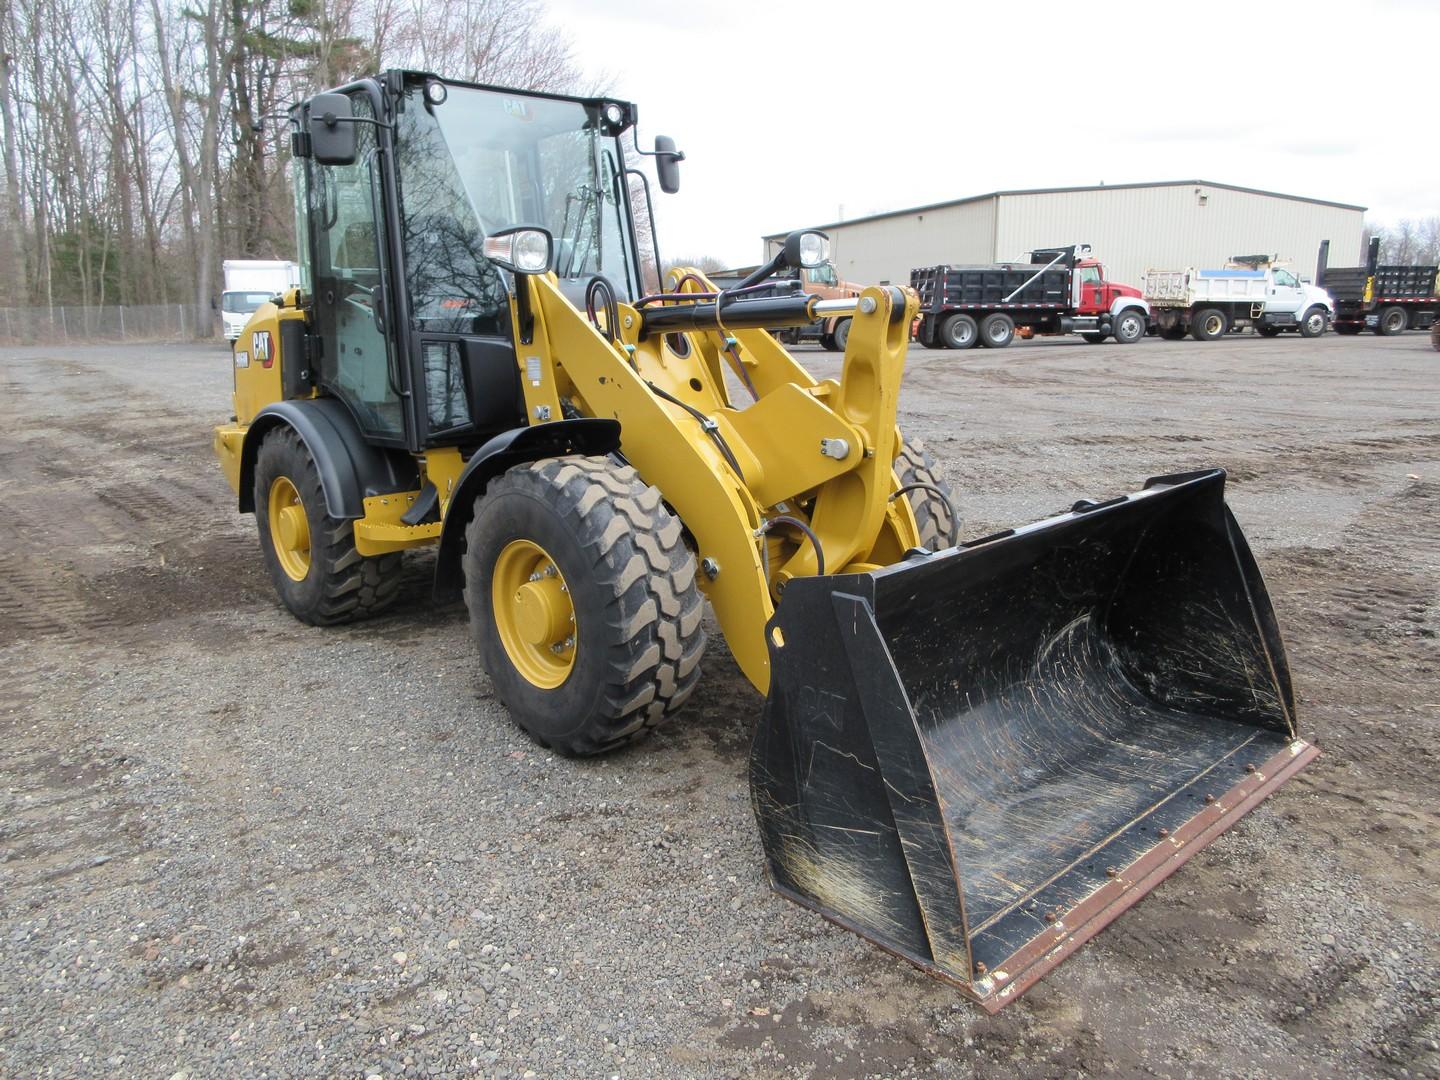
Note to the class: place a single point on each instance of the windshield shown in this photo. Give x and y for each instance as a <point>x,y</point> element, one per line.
<point>486,160</point>
<point>243,302</point>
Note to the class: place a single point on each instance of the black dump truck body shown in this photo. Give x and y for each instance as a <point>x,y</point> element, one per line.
<point>1385,299</point>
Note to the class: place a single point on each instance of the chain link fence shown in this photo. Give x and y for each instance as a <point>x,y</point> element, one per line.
<point>131,322</point>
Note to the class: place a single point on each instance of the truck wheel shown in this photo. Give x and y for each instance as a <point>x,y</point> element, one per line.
<point>913,465</point>
<point>1312,323</point>
<point>1209,324</point>
<point>1393,320</point>
<point>828,342</point>
<point>997,330</point>
<point>1174,332</point>
<point>582,602</point>
<point>841,334</point>
<point>1129,327</point>
<point>959,332</point>
<point>311,556</point>
<point>1348,328</point>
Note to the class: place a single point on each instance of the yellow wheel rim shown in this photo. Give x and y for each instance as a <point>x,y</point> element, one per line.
<point>289,529</point>
<point>534,613</point>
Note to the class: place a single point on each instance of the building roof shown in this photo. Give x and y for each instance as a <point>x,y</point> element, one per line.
<point>1066,190</point>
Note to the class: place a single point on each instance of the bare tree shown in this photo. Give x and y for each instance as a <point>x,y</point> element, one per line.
<point>12,228</point>
<point>136,155</point>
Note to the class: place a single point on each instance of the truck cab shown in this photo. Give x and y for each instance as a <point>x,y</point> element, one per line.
<point>822,281</point>
<point>1098,295</point>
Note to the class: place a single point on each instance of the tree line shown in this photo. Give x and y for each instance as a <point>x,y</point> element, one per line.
<point>1409,242</point>
<point>144,140</point>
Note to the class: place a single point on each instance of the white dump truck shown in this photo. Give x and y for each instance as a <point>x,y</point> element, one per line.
<point>1249,291</point>
<point>248,284</point>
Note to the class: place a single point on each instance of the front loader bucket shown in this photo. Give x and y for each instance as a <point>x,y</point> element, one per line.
<point>978,758</point>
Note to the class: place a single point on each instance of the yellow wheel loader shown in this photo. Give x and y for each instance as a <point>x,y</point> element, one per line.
<point>973,753</point>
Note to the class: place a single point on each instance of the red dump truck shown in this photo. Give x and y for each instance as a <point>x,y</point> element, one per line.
<point>1059,291</point>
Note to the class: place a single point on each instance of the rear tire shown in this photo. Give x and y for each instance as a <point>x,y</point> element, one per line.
<point>1312,323</point>
<point>959,332</point>
<point>841,334</point>
<point>828,342</point>
<point>1173,333</point>
<point>1392,321</point>
<point>1128,327</point>
<point>914,465</point>
<point>997,330</point>
<point>1209,324</point>
<point>635,642</point>
<point>311,556</point>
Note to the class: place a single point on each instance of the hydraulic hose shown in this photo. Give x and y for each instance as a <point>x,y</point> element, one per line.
<point>786,519</point>
<point>939,493</point>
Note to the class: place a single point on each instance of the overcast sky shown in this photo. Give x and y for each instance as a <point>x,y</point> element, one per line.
<point>799,113</point>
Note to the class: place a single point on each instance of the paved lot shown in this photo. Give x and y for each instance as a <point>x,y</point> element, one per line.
<point>234,845</point>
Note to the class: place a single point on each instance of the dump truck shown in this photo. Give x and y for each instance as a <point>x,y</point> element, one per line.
<point>250,283</point>
<point>1386,299</point>
<point>974,752</point>
<point>1249,291</point>
<point>830,332</point>
<point>1057,291</point>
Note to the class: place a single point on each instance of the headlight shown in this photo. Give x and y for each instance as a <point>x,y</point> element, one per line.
<point>521,250</point>
<point>814,249</point>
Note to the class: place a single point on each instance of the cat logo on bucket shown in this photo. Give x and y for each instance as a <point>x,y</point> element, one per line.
<point>260,347</point>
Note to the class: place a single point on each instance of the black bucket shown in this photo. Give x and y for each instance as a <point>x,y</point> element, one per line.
<point>980,757</point>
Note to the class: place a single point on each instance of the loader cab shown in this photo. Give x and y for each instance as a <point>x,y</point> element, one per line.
<point>410,320</point>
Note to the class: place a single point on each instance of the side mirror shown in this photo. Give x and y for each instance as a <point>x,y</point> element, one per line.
<point>523,249</point>
<point>331,123</point>
<point>667,164</point>
<point>1305,281</point>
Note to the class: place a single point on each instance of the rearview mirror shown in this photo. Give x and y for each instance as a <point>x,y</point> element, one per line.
<point>331,124</point>
<point>667,164</point>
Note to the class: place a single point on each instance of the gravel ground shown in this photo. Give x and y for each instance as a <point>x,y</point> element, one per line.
<point>234,845</point>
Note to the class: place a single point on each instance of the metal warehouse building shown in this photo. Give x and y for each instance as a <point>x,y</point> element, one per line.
<point>1130,227</point>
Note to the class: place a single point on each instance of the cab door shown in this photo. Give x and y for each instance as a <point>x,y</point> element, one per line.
<point>1284,294</point>
<point>350,270</point>
<point>1092,299</point>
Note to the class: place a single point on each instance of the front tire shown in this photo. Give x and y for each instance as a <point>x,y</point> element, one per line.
<point>841,334</point>
<point>583,602</point>
<point>1312,323</point>
<point>935,519</point>
<point>1128,327</point>
<point>311,556</point>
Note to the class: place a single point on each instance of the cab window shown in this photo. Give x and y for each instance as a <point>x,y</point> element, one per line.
<point>1090,275</point>
<point>822,275</point>
<point>1284,277</point>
